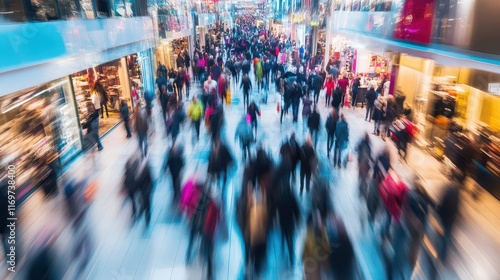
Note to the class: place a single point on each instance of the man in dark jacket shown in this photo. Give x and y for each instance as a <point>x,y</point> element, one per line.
<point>175,164</point>
<point>180,61</point>
<point>145,183</point>
<point>124,113</point>
<point>341,140</point>
<point>177,118</point>
<point>296,96</point>
<point>313,124</point>
<point>307,164</point>
<point>317,85</point>
<point>331,125</point>
<point>371,95</point>
<point>289,214</point>
<point>337,98</point>
<point>92,125</point>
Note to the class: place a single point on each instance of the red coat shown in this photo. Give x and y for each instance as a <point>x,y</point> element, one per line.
<point>329,85</point>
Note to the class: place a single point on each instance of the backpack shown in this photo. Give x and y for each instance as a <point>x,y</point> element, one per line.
<point>393,192</point>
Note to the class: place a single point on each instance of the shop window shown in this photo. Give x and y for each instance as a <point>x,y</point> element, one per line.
<point>39,127</point>
<point>490,111</point>
<point>105,86</point>
<point>46,10</point>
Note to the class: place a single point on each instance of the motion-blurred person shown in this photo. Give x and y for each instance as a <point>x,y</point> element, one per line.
<point>195,114</point>
<point>321,198</point>
<point>211,222</point>
<point>130,180</point>
<point>329,87</point>
<point>296,96</point>
<point>124,113</point>
<point>378,115</point>
<point>198,216</point>
<point>306,108</point>
<point>216,120</point>
<point>175,165</point>
<point>142,128</point>
<point>146,185</point>
<point>341,255</point>
<point>77,203</point>
<point>289,214</point>
<point>256,234</point>
<point>103,97</point>
<point>364,151</point>
<point>371,96</point>
<point>313,123</point>
<point>43,262</point>
<point>355,89</point>
<point>164,99</point>
<point>448,211</point>
<point>290,150</point>
<point>218,163</point>
<point>254,112</point>
<point>178,118</point>
<point>337,98</point>
<point>331,126</point>
<point>316,249</point>
<point>341,142</point>
<point>308,163</point>
<point>246,85</point>
<point>245,136</point>
<point>91,123</point>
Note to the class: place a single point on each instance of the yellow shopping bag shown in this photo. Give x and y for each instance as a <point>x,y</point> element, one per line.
<point>228,97</point>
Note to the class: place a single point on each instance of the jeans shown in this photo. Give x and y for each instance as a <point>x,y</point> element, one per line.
<point>327,100</point>
<point>314,136</point>
<point>354,99</point>
<point>104,105</point>
<point>295,111</point>
<point>196,125</point>
<point>376,127</point>
<point>316,96</point>
<point>369,112</point>
<point>246,97</point>
<point>143,143</point>
<point>305,175</point>
<point>95,135</point>
<point>337,153</point>
<point>127,127</point>
<point>245,148</point>
<point>329,142</point>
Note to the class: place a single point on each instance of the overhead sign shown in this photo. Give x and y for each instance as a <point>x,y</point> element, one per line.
<point>494,88</point>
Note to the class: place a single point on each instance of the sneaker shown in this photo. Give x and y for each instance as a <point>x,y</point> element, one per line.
<point>100,149</point>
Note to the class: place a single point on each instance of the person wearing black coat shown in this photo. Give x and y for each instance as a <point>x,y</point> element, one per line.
<point>307,164</point>
<point>130,183</point>
<point>146,183</point>
<point>313,122</point>
<point>175,164</point>
<point>317,85</point>
<point>331,126</point>
<point>177,118</point>
<point>337,98</point>
<point>289,214</point>
<point>296,96</point>
<point>219,161</point>
<point>91,123</point>
<point>371,96</point>
<point>124,113</point>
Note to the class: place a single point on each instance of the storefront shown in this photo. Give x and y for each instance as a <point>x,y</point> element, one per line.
<point>169,50</point>
<point>114,77</point>
<point>39,128</point>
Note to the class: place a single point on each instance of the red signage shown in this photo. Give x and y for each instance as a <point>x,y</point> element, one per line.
<point>415,21</point>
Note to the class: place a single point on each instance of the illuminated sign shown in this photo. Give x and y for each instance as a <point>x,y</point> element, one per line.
<point>494,88</point>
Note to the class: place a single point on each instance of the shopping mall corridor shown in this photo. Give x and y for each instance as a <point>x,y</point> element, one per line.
<point>125,250</point>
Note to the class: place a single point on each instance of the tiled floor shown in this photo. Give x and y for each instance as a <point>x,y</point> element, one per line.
<point>126,251</point>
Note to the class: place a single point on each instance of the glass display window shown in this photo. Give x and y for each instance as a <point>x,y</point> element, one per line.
<point>38,128</point>
<point>104,86</point>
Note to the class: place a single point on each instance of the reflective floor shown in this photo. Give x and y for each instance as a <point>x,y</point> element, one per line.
<point>125,250</point>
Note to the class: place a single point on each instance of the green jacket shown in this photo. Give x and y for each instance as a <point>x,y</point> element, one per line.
<point>195,110</point>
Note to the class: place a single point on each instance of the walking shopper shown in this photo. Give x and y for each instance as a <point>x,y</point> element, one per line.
<point>329,86</point>
<point>91,123</point>
<point>308,163</point>
<point>175,164</point>
<point>244,134</point>
<point>355,88</point>
<point>246,85</point>
<point>313,124</point>
<point>142,128</point>
<point>195,113</point>
<point>371,96</point>
<point>254,112</point>
<point>331,125</point>
<point>145,182</point>
<point>296,96</point>
<point>341,141</point>
<point>124,113</point>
